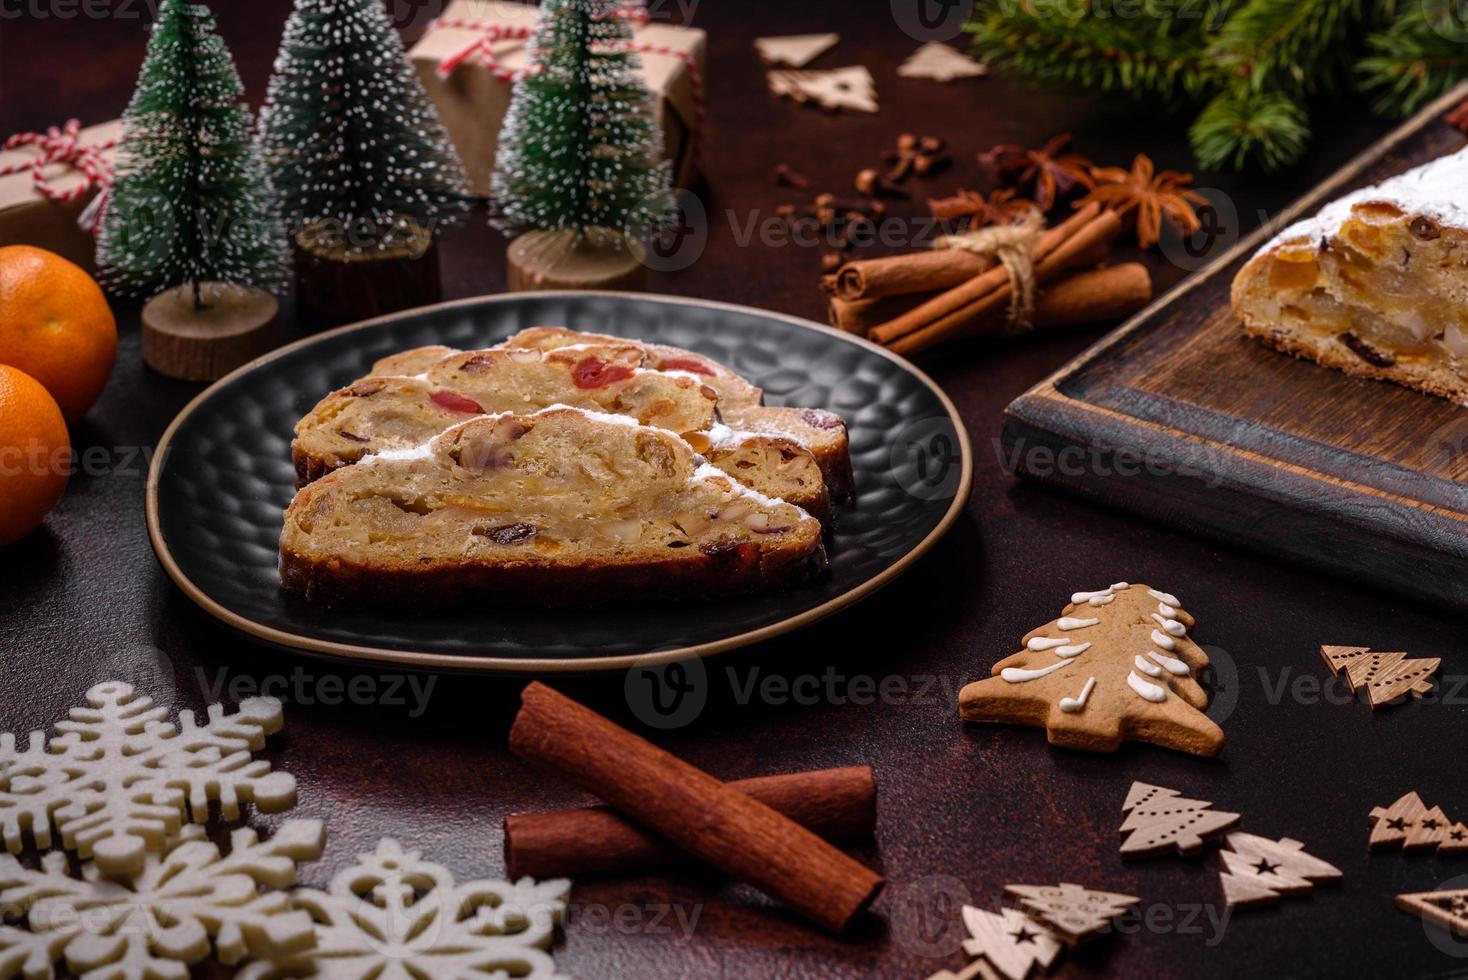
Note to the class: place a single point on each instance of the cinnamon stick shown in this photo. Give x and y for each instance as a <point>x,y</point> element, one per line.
<point>735,833</point>
<point>1086,247</point>
<point>1093,296</point>
<point>916,272</point>
<point>834,803</point>
<point>955,300</point>
<point>860,315</point>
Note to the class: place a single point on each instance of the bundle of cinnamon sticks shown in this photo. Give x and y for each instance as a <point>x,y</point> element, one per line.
<point>911,302</point>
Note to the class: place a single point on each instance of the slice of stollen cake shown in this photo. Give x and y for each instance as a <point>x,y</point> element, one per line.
<point>387,411</point>
<point>1376,284</point>
<point>560,507</point>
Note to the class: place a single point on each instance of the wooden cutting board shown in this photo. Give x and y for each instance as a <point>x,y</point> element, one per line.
<point>1178,416</point>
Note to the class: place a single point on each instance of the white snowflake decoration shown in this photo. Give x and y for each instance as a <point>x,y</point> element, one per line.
<point>155,925</point>
<point>118,777</point>
<point>394,916</point>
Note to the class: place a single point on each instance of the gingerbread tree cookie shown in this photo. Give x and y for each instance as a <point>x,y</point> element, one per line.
<point>1117,664</point>
<point>1159,819</point>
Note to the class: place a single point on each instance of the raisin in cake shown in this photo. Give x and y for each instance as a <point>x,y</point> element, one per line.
<point>563,506</point>
<point>414,396</point>
<point>1376,284</point>
<point>741,404</point>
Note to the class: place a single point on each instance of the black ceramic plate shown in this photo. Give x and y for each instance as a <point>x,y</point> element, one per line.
<point>222,476</point>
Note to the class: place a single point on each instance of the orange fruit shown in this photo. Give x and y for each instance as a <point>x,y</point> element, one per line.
<point>35,454</point>
<point>56,326</point>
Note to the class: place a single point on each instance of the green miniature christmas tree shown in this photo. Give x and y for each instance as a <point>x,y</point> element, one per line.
<point>190,203</point>
<point>349,134</point>
<point>1252,65</point>
<point>580,149</point>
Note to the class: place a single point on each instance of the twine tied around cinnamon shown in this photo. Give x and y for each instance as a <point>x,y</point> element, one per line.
<point>1011,245</point>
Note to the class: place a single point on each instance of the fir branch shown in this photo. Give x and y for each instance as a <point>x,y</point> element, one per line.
<point>1241,124</point>
<point>1155,52</point>
<point>1419,57</point>
<point>1294,39</point>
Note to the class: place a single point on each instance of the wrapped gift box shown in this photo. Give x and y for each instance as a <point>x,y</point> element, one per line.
<point>28,217</point>
<point>473,99</point>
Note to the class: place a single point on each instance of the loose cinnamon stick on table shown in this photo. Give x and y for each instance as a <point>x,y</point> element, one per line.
<point>834,803</point>
<point>955,300</point>
<point>735,833</point>
<point>915,272</point>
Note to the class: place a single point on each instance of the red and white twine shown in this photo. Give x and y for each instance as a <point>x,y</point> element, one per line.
<point>63,146</point>
<point>492,33</point>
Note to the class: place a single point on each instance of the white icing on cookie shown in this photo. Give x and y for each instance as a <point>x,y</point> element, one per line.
<point>1119,587</point>
<point>1164,597</point>
<point>1072,705</point>
<point>1073,623</point>
<point>1074,650</point>
<point>1150,669</point>
<point>1018,675</point>
<point>1045,643</point>
<point>1163,640</point>
<point>1167,610</point>
<point>1173,665</point>
<point>1145,689</point>
<point>1171,625</point>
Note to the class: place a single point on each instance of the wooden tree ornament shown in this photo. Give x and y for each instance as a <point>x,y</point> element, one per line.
<point>850,88</point>
<point>1070,911</point>
<point>1159,819</point>
<point>1012,942</point>
<point>1410,824</point>
<point>795,50</point>
<point>1385,677</point>
<point>977,970</point>
<point>1448,908</point>
<point>941,63</point>
<point>1257,870</point>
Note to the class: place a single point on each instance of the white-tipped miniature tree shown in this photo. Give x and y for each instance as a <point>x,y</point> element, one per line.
<point>580,149</point>
<point>348,132</point>
<point>190,204</point>
<point>191,217</point>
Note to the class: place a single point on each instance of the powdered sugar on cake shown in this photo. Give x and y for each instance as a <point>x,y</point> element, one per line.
<point>1434,189</point>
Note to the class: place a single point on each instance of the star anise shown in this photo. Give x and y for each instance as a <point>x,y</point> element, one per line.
<point>1048,173</point>
<point>1145,197</point>
<point>971,209</point>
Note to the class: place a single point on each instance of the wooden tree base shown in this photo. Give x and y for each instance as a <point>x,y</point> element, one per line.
<point>235,325</point>
<point>562,260</point>
<point>343,285</point>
